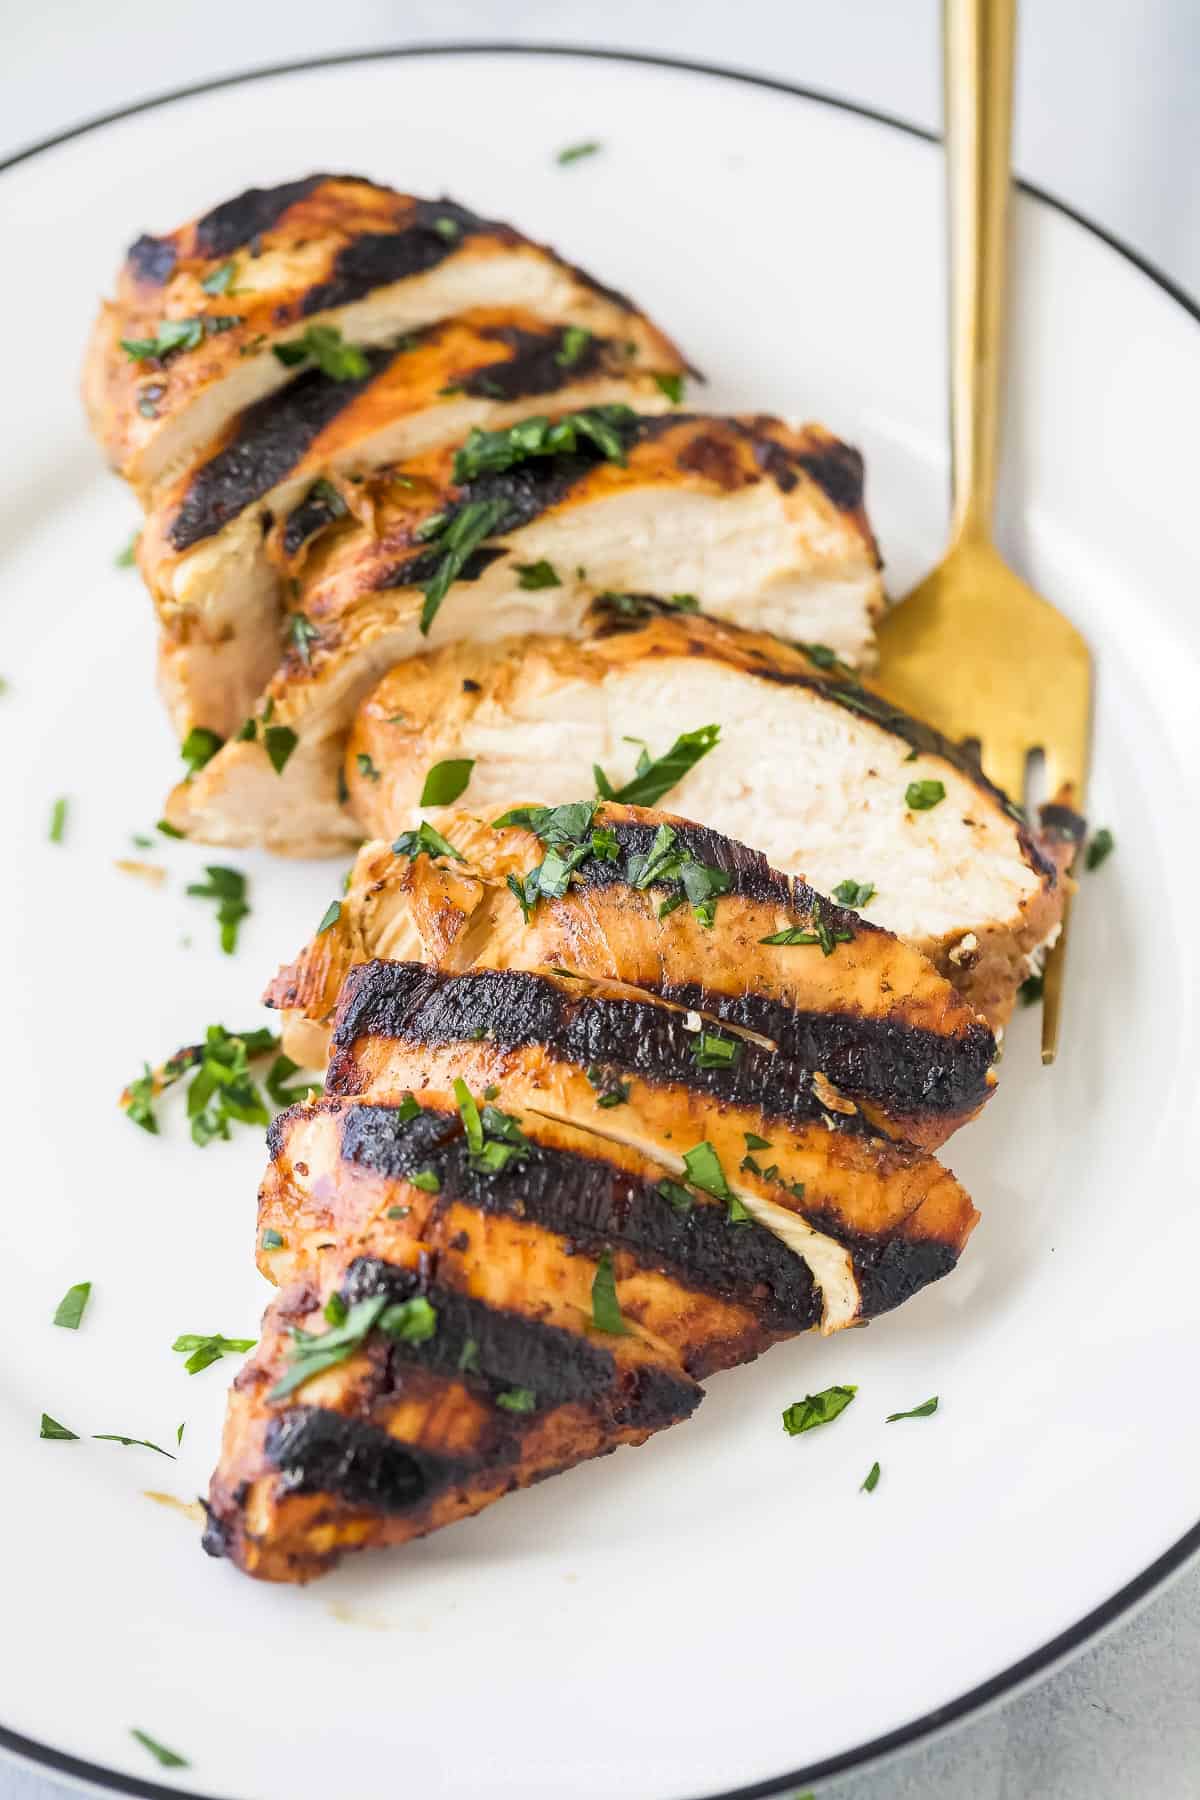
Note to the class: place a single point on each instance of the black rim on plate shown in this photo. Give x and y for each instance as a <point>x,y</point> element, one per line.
<point>1040,1661</point>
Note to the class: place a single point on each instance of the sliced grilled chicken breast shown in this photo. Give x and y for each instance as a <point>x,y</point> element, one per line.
<point>627,1067</point>
<point>259,272</point>
<point>507,1315</point>
<point>873,1017</point>
<point>750,517</point>
<point>218,538</point>
<point>819,772</point>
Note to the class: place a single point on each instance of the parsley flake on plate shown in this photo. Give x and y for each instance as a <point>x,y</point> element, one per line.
<point>924,1411</point>
<point>70,1310</point>
<point>816,1409</point>
<point>202,1351</point>
<point>228,888</point>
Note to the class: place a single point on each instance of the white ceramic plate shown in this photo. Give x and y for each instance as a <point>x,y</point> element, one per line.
<point>723,1611</point>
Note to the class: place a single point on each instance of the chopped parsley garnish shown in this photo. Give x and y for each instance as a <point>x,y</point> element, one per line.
<point>816,1409</point>
<point>457,539</point>
<point>446,781</point>
<point>494,1138</point>
<point>820,932</point>
<point>366,767</point>
<point>610,1091</point>
<point>1102,845</point>
<point>222,1090</point>
<point>115,1437</point>
<point>822,656</point>
<point>426,1180</point>
<point>575,340</point>
<point>126,558</point>
<point>518,1400</point>
<point>52,1429</point>
<point>407,1321</point>
<point>398,1212</point>
<point>159,1752</point>
<point>322,345</point>
<point>924,1411</point>
<point>712,1051</point>
<point>921,795</point>
<point>58,820</point>
<point>425,841</point>
<point>304,635</point>
<point>271,1240</point>
<point>228,888</point>
<point>567,834</point>
<point>279,741</point>
<point>872,1480</point>
<point>326,496</point>
<point>606,1313</point>
<point>532,576</point>
<point>168,830</point>
<point>70,1309</point>
<point>468,1357</point>
<point>446,228</point>
<point>330,916</point>
<point>1030,990</point>
<point>667,861</point>
<point>705,1172</point>
<point>172,334</point>
<point>199,747</point>
<point>657,776</point>
<point>491,452</point>
<point>278,1076</point>
<point>573,153</point>
<point>671,386</point>
<point>754,1142</point>
<point>201,1351</point>
<point>218,282</point>
<point>854,893</point>
<point>678,1196</point>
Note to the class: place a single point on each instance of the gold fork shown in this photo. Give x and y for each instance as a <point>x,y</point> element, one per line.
<point>973,649</point>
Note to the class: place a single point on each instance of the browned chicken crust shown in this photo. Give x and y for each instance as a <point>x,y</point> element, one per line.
<point>325,250</point>
<point>887,1031</point>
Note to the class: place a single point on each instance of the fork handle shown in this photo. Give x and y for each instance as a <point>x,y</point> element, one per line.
<point>978,45</point>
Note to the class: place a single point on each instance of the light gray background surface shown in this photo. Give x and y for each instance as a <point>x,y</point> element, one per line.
<point>1108,119</point>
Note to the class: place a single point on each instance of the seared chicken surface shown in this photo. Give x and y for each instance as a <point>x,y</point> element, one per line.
<point>535,1281</point>
<point>219,538</point>
<point>813,768</point>
<point>508,535</point>
<point>218,297</point>
<point>877,1022</point>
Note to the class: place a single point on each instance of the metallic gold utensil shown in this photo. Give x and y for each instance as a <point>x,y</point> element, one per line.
<point>973,649</point>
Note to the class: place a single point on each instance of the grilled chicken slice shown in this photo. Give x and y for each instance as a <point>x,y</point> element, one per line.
<point>211,551</point>
<point>480,1356</point>
<point>259,272</point>
<point>878,1022</point>
<point>812,768</point>
<point>750,517</point>
<point>626,1067</point>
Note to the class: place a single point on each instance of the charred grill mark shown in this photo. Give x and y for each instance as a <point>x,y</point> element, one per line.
<point>560,1367</point>
<point>837,470</point>
<point>917,1071</point>
<point>314,512</point>
<point>375,259</point>
<point>232,224</point>
<point>891,1270</point>
<point>317,1451</point>
<point>594,1203</point>
<point>534,366</point>
<point>711,455</point>
<point>526,492</point>
<point>515,1010</point>
<point>272,438</point>
<point>151,260</point>
<point>1062,823</point>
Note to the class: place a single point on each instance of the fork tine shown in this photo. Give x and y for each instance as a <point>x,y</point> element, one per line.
<point>1004,763</point>
<point>1052,988</point>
